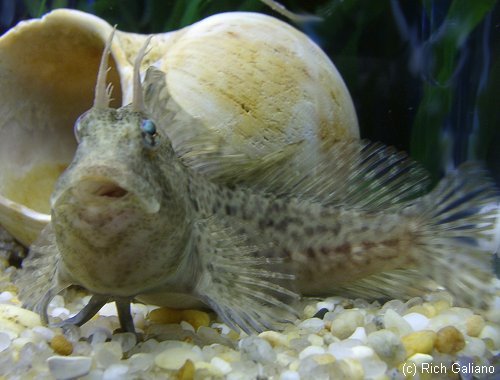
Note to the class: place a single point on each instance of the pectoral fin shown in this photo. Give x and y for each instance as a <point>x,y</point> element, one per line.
<point>245,288</point>
<point>39,280</point>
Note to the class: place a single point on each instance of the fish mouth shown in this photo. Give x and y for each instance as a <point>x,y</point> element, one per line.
<point>105,192</point>
<point>101,188</point>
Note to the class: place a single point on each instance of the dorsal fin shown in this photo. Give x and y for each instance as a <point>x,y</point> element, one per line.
<point>357,174</point>
<point>102,95</point>
<point>137,98</point>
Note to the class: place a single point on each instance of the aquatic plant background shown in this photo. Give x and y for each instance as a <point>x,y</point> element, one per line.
<point>423,74</point>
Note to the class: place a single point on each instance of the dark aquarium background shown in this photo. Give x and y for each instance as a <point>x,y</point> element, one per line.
<point>424,75</point>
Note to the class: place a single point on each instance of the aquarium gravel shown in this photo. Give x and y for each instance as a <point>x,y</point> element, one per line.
<point>335,338</point>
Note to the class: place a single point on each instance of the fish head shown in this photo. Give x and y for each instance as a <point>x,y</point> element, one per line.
<point>120,210</point>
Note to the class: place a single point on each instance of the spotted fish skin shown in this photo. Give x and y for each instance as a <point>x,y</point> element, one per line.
<point>151,210</point>
<point>341,243</point>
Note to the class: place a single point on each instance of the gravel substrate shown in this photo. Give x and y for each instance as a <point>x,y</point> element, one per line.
<point>336,338</point>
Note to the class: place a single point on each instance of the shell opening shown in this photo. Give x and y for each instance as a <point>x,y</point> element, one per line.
<point>102,90</point>
<point>137,100</point>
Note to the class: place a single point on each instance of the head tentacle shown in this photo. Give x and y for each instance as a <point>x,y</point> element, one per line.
<point>138,99</point>
<point>102,95</point>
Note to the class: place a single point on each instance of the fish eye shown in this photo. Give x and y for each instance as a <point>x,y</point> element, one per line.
<point>149,134</point>
<point>76,128</point>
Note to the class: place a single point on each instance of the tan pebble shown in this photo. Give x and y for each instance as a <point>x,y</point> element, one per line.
<point>294,366</point>
<point>274,338</point>
<point>165,315</point>
<point>323,359</point>
<point>233,335</point>
<point>315,340</point>
<point>350,369</point>
<point>309,311</point>
<point>449,340</point>
<point>196,318</point>
<point>427,310</point>
<point>16,319</point>
<point>474,325</point>
<point>10,288</point>
<point>441,306</point>
<point>186,372</point>
<point>230,356</point>
<point>61,345</point>
<point>419,342</point>
<point>345,323</point>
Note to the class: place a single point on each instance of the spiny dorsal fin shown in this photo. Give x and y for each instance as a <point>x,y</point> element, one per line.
<point>137,98</point>
<point>357,174</point>
<point>190,138</point>
<point>102,95</point>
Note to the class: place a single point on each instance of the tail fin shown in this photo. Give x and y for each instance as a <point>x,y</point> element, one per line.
<point>461,217</point>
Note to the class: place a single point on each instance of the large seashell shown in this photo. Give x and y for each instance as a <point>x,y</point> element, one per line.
<point>247,77</point>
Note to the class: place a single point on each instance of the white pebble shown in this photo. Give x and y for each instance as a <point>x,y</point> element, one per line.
<point>108,310</point>
<point>174,358</point>
<point>343,349</point>
<point>373,367</point>
<point>490,332</point>
<point>69,367</point>
<point>59,312</point>
<point>107,354</point>
<point>187,326</point>
<point>312,325</point>
<point>455,316</point>
<point>397,306</point>
<point>221,365</point>
<point>387,345</point>
<point>44,332</point>
<point>95,374</point>
<point>6,297</point>
<point>416,321</point>
<point>126,340</point>
<point>257,349</point>
<point>140,362</point>
<point>115,372</point>
<point>362,352</point>
<point>474,347</point>
<point>359,334</point>
<point>335,300</point>
<point>19,343</point>
<point>419,359</point>
<point>289,375</point>
<point>4,341</point>
<point>325,305</point>
<point>57,301</point>
<point>315,340</point>
<point>311,350</point>
<point>284,359</point>
<point>99,335</point>
<point>72,333</point>
<point>393,321</point>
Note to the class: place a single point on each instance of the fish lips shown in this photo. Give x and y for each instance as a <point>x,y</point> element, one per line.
<point>107,190</point>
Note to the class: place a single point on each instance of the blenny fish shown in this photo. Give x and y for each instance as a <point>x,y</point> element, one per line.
<point>136,217</point>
